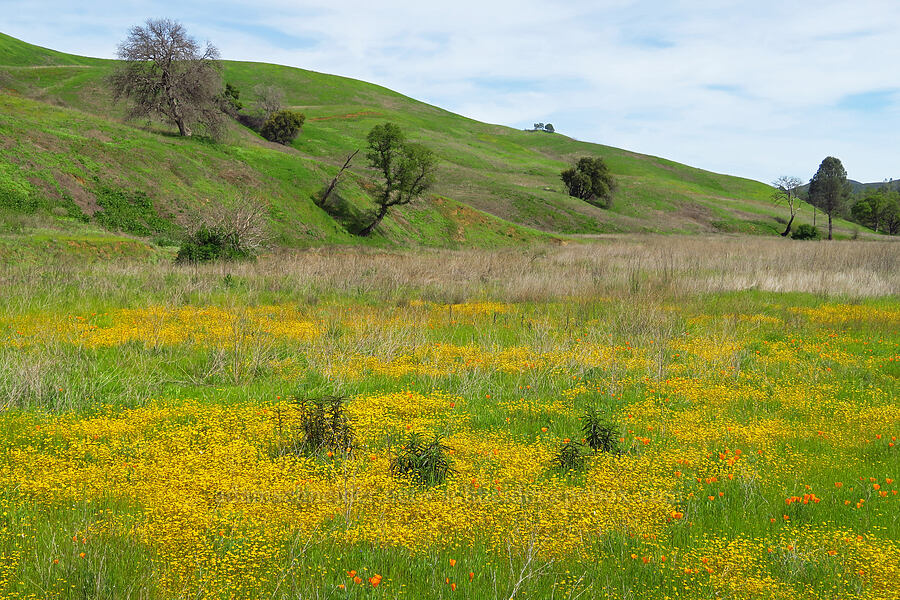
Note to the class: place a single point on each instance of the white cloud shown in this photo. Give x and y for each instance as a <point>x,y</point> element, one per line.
<point>748,88</point>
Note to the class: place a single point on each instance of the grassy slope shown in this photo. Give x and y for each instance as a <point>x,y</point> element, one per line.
<point>64,143</point>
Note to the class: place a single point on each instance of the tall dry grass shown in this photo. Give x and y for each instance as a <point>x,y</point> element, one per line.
<point>643,275</point>
<point>664,266</point>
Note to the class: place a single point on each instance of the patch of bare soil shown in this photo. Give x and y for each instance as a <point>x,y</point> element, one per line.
<point>695,212</point>
<point>96,134</point>
<point>356,115</point>
<point>238,176</point>
<point>74,186</point>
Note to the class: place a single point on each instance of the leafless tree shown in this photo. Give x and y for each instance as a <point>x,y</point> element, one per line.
<point>242,221</point>
<point>167,73</point>
<point>786,189</point>
<point>269,99</point>
<point>334,181</point>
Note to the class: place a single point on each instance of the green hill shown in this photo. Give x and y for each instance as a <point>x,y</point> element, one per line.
<point>66,151</point>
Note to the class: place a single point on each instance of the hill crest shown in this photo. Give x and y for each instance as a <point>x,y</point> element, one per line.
<point>70,149</point>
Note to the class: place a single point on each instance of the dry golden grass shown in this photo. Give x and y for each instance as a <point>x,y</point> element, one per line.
<point>659,265</point>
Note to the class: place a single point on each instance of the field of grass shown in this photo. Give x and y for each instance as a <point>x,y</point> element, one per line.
<point>151,423</point>
<point>67,147</point>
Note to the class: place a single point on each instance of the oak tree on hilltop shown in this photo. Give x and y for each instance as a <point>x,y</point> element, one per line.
<point>168,74</point>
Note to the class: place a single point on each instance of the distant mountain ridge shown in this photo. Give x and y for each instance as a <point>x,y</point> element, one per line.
<point>891,184</point>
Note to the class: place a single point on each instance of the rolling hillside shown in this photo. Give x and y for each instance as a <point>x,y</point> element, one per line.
<point>66,151</point>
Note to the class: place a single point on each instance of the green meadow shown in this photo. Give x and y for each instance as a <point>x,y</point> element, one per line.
<point>156,424</point>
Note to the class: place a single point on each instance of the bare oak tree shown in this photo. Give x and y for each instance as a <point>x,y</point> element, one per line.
<point>269,99</point>
<point>168,74</point>
<point>786,189</point>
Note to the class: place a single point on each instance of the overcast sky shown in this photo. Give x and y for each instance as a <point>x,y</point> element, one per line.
<point>758,88</point>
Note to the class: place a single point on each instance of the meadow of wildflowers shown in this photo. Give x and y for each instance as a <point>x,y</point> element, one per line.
<point>143,453</point>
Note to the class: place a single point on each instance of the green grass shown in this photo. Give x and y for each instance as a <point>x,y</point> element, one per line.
<point>63,127</point>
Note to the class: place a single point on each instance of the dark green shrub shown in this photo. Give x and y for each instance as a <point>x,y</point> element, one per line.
<point>229,100</point>
<point>235,232</point>
<point>324,426</point>
<point>207,244</point>
<point>569,457</point>
<point>598,433</point>
<point>590,180</point>
<point>282,126</point>
<point>806,232</point>
<point>425,462</point>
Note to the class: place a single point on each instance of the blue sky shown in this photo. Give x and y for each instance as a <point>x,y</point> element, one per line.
<point>758,89</point>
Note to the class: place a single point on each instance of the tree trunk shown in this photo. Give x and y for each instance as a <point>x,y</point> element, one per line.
<point>381,213</point>
<point>183,129</point>
<point>787,229</point>
<point>334,181</point>
<point>829,226</point>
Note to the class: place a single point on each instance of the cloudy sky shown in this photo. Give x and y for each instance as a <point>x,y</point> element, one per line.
<point>756,88</point>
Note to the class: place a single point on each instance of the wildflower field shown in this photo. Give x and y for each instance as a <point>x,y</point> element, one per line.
<point>152,436</point>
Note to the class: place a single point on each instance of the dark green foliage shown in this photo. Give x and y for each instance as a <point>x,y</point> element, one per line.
<point>578,183</point>
<point>128,211</point>
<point>325,424</point>
<point>549,128</point>
<point>892,219</point>
<point>407,169</point>
<point>282,126</point>
<point>591,181</point>
<point>878,209</point>
<point>829,189</point>
<point>324,427</point>
<point>569,457</point>
<point>806,232</point>
<point>425,462</point>
<point>233,232</point>
<point>230,100</point>
<point>598,433</point>
<point>208,244</point>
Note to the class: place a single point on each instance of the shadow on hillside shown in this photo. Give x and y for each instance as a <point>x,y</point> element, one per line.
<point>351,218</point>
